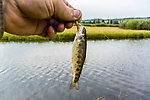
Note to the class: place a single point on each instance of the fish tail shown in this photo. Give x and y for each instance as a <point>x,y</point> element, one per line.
<point>72,85</point>
<point>76,85</point>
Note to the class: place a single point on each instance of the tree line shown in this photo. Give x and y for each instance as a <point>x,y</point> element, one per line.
<point>139,24</point>
<point>98,21</point>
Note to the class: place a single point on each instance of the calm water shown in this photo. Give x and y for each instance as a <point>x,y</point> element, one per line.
<point>42,71</point>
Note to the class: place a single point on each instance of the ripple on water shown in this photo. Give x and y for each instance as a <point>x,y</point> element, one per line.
<point>43,71</point>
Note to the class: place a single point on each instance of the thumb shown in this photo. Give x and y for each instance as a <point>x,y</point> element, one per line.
<point>66,13</point>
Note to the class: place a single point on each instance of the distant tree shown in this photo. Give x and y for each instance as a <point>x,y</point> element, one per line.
<point>108,22</point>
<point>94,22</point>
<point>115,22</point>
<point>121,21</point>
<point>103,21</point>
<point>111,21</point>
<point>82,21</point>
<point>90,22</point>
<point>98,20</point>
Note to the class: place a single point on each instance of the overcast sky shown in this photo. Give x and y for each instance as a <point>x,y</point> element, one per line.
<point>112,8</point>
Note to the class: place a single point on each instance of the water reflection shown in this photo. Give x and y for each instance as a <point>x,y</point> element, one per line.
<point>42,71</point>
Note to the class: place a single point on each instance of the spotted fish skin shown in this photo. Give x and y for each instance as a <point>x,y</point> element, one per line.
<point>78,56</point>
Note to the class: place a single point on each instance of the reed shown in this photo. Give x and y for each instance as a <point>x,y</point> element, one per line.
<point>93,33</point>
<point>138,24</point>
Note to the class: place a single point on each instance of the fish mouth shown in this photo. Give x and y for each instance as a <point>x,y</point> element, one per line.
<point>81,30</point>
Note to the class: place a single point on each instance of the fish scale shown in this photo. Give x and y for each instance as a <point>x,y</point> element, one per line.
<point>78,55</point>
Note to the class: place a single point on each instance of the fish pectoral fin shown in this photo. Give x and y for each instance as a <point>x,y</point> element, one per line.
<point>76,85</point>
<point>72,72</point>
<point>84,61</point>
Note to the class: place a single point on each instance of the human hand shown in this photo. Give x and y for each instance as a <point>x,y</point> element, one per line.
<point>39,17</point>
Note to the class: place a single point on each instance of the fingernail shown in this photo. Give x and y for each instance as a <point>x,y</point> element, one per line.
<point>76,13</point>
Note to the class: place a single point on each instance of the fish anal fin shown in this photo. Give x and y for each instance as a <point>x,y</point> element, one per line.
<point>72,85</point>
<point>77,85</point>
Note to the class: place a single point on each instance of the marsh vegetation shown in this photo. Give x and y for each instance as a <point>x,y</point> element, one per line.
<point>93,33</point>
<point>136,24</point>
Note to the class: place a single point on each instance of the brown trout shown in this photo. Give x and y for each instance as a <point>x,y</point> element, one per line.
<point>78,55</point>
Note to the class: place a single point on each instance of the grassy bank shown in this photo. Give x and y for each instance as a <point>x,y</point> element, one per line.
<point>101,25</point>
<point>98,33</point>
<point>93,33</point>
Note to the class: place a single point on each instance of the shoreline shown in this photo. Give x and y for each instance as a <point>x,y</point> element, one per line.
<point>93,33</point>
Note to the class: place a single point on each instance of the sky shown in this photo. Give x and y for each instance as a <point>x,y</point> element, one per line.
<point>112,8</point>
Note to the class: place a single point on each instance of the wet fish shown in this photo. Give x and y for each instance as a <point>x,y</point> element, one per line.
<point>78,55</point>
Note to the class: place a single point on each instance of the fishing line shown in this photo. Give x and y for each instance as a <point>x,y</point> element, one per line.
<point>105,34</point>
<point>79,24</point>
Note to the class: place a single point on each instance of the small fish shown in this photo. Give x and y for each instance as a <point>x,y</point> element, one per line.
<point>78,55</point>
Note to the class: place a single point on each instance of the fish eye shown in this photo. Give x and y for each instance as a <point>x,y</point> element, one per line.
<point>83,30</point>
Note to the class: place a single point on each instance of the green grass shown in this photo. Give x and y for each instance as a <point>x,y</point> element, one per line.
<point>139,24</point>
<point>101,25</point>
<point>15,38</point>
<point>116,33</point>
<point>93,33</point>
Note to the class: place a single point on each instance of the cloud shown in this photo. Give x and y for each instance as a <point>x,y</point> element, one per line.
<point>112,8</point>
